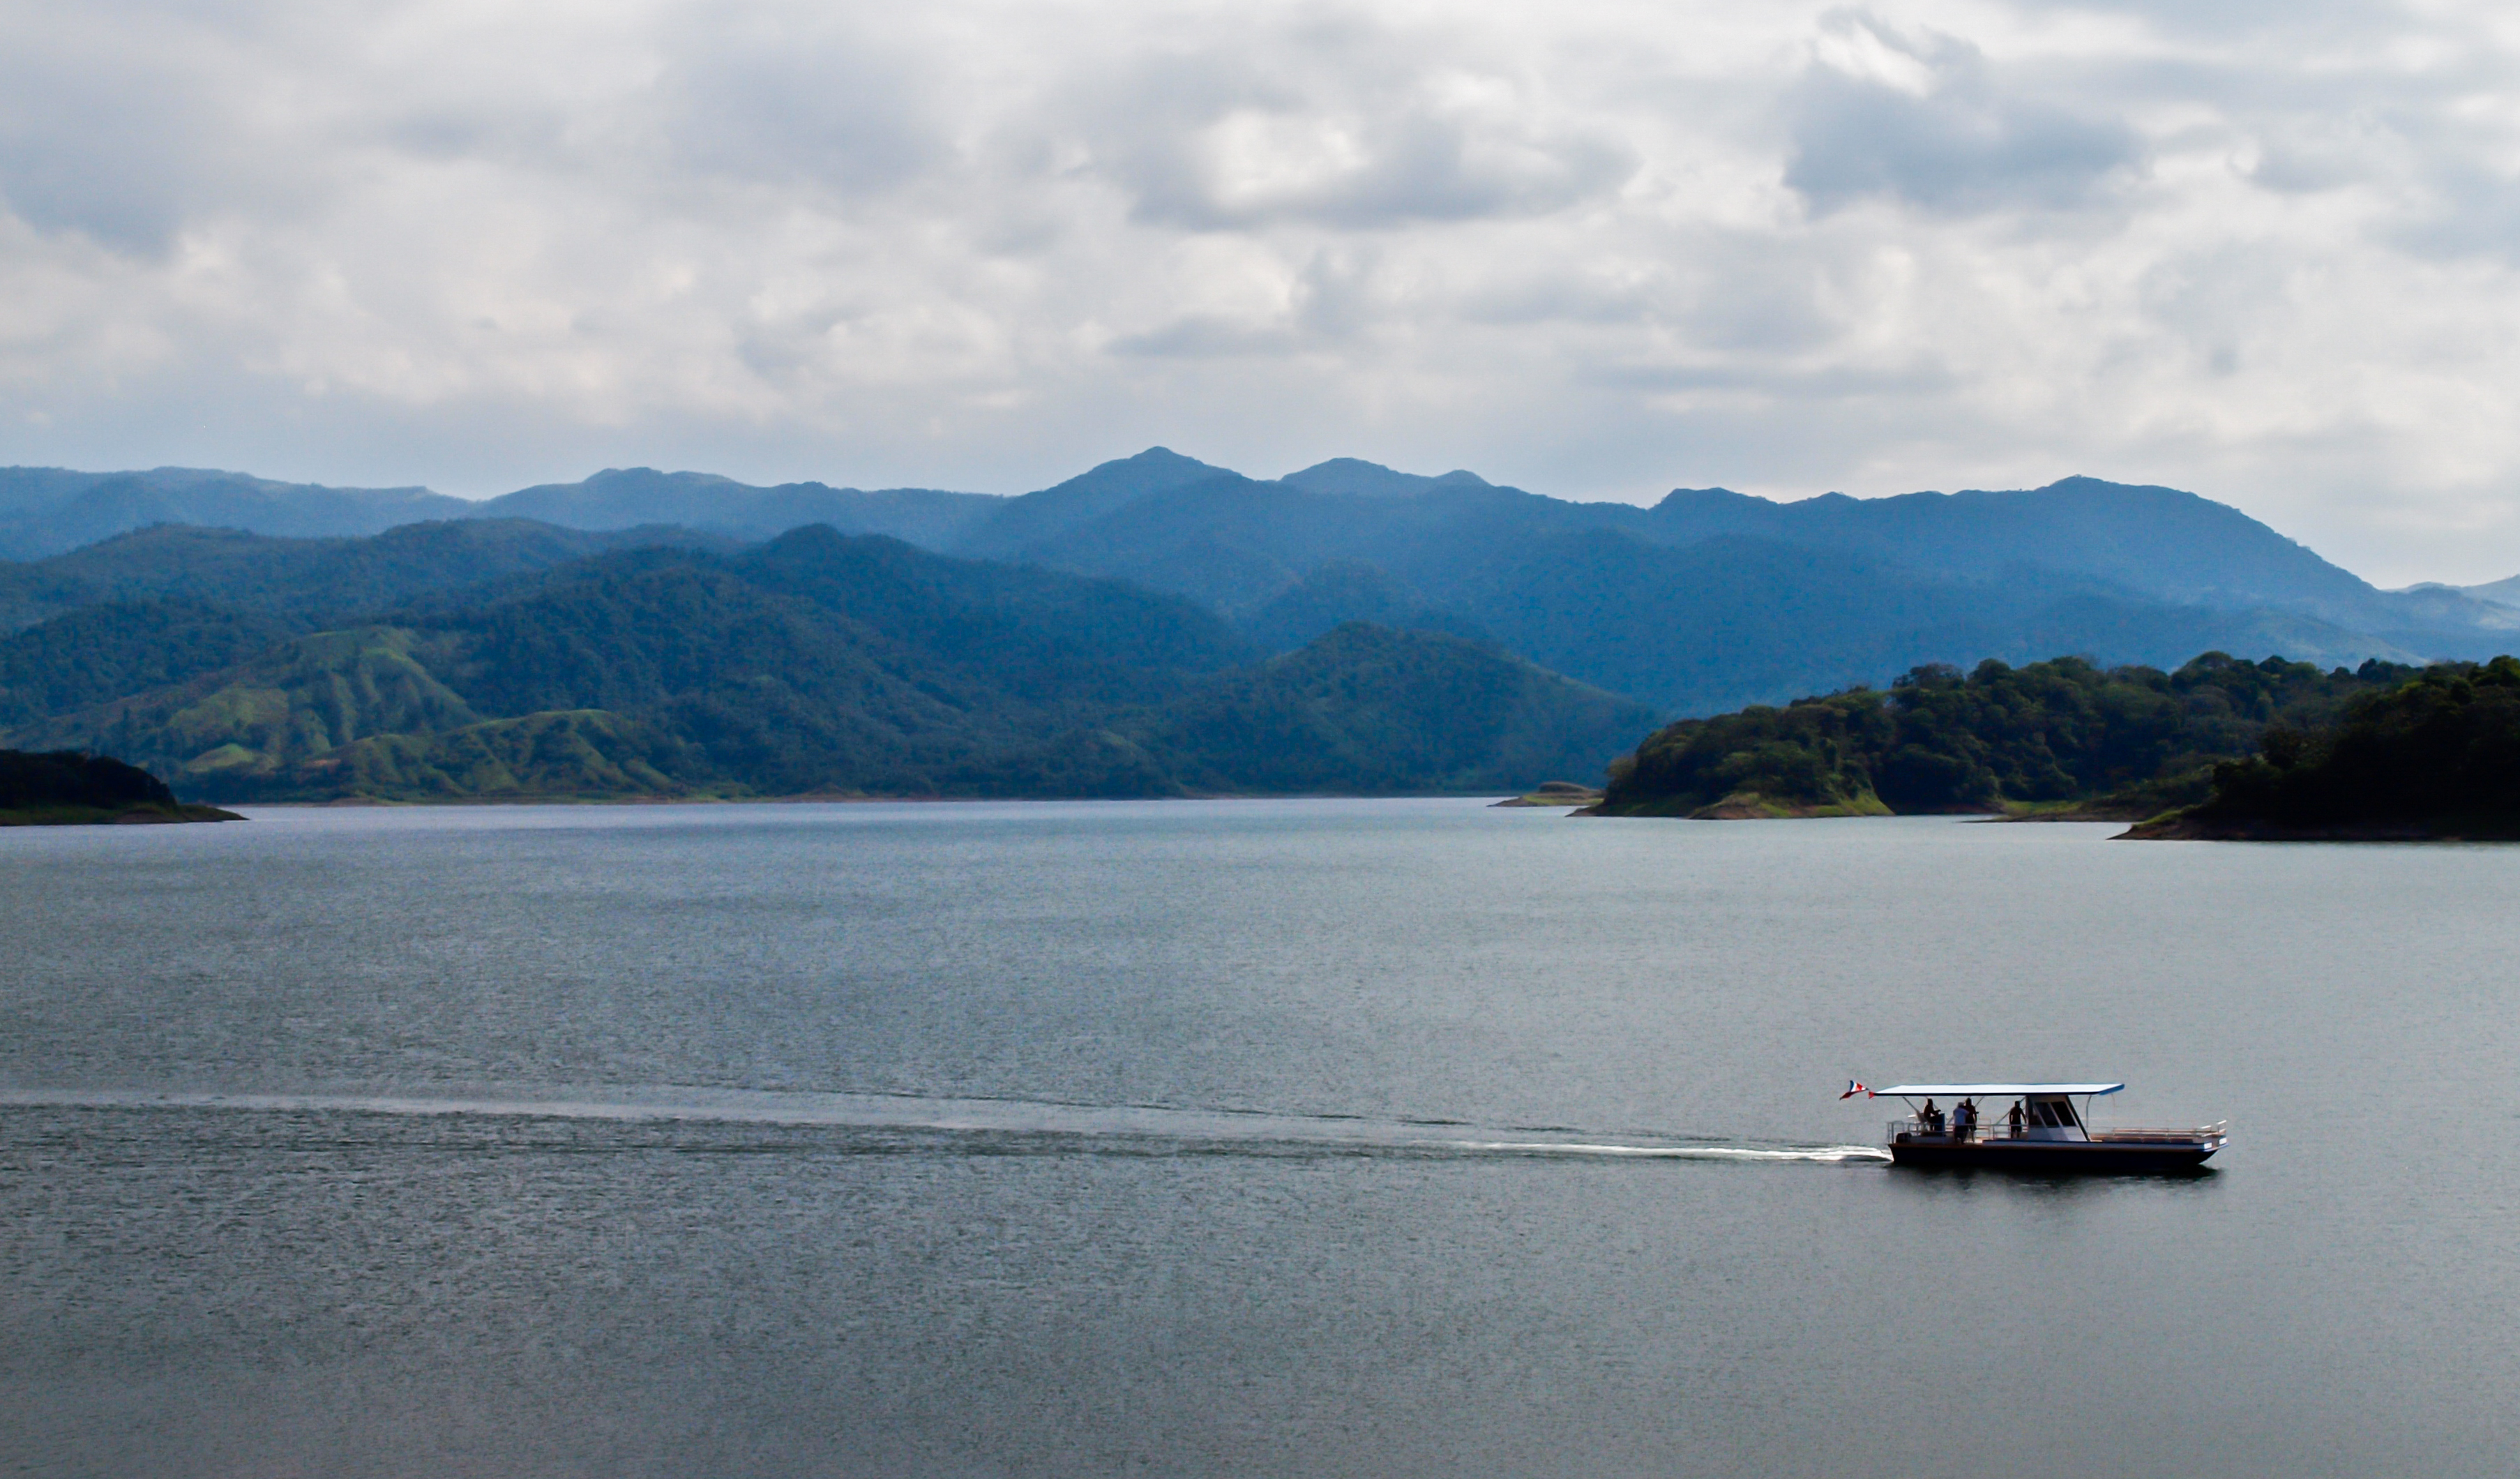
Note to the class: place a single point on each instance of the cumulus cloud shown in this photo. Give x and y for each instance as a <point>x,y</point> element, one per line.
<point>2264,252</point>
<point>1928,120</point>
<point>122,134</point>
<point>1344,126</point>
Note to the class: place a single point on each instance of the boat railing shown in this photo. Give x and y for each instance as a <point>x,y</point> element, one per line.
<point>1985,1131</point>
<point>2147,1134</point>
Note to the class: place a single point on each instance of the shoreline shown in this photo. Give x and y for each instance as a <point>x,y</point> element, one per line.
<point>353,803</point>
<point>180,814</point>
<point>2186,828</point>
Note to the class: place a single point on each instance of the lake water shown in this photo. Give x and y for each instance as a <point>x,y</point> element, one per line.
<point>1299,1137</point>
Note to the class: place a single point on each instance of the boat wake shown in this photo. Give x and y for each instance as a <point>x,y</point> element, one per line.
<point>987,1125</point>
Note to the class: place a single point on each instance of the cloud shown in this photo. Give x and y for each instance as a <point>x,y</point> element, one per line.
<point>764,93</point>
<point>1344,126</point>
<point>123,136</point>
<point>1929,121</point>
<point>1203,336</point>
<point>2264,252</point>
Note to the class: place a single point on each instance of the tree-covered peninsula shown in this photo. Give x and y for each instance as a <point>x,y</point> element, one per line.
<point>66,787</point>
<point>2063,736</point>
<point>2436,755</point>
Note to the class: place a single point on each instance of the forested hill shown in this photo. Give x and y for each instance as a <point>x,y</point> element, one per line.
<point>1711,598</point>
<point>2435,756</point>
<point>309,581</point>
<point>1707,600</point>
<point>69,789</point>
<point>815,663</point>
<point>2128,741</point>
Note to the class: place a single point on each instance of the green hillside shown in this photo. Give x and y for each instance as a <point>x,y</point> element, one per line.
<point>2127,741</point>
<point>1704,603</point>
<point>824,664</point>
<point>242,730</point>
<point>1365,708</point>
<point>100,653</point>
<point>576,752</point>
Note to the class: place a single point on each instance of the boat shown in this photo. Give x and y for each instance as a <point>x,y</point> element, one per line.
<point>2037,1130</point>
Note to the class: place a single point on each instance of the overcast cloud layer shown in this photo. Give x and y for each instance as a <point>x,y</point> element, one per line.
<point>2263,251</point>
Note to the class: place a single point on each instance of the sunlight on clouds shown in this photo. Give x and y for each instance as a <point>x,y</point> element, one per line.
<point>1852,43</point>
<point>1255,162</point>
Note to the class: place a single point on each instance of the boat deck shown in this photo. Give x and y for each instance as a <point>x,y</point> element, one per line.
<point>1999,1132</point>
<point>2136,1149</point>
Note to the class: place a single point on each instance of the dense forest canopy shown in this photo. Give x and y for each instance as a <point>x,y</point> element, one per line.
<point>815,663</point>
<point>100,653</point>
<point>67,778</point>
<point>2436,755</point>
<point>69,787</point>
<point>2056,731</point>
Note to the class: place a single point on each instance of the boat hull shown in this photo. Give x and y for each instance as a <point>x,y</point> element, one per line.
<point>2050,1158</point>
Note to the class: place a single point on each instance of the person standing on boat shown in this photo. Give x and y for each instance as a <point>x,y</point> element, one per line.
<point>2013,1120</point>
<point>1931,1118</point>
<point>1964,1118</point>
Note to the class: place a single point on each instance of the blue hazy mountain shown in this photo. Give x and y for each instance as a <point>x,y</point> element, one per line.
<point>1365,479</point>
<point>48,510</point>
<point>2150,540</point>
<point>2502,592</point>
<point>1019,525</point>
<point>1342,591</point>
<point>620,498</point>
<point>1724,622</point>
<point>306,581</point>
<point>45,511</point>
<point>1712,598</point>
<point>1703,601</point>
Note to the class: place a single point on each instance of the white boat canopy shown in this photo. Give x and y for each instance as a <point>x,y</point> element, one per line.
<point>1992,1091</point>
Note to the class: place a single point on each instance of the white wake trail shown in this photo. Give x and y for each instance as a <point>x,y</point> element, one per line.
<point>1831,1155</point>
<point>1086,1128</point>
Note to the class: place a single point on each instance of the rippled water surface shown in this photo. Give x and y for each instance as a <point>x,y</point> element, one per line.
<point>1303,1138</point>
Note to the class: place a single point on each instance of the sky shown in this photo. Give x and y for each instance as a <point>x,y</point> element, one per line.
<point>2261,252</point>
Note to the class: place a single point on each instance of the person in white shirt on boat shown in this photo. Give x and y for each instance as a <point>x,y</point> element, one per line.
<point>1964,1118</point>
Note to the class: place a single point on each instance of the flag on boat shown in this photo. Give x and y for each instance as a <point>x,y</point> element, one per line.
<point>1853,1089</point>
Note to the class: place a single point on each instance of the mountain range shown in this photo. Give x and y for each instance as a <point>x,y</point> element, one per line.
<point>49,510</point>
<point>1703,603</point>
<point>487,659</point>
